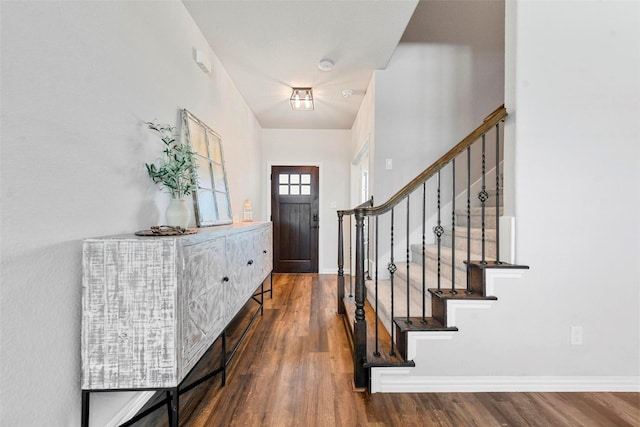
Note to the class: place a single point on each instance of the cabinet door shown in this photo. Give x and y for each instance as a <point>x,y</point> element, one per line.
<point>203,300</point>
<point>129,314</point>
<point>264,250</point>
<point>241,262</point>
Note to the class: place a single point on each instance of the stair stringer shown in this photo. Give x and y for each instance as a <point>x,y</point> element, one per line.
<point>403,379</point>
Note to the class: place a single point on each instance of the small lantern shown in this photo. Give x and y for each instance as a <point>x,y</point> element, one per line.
<point>247,213</point>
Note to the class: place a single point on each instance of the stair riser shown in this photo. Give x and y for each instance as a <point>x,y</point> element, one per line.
<point>439,309</point>
<point>446,271</point>
<point>445,265</point>
<point>476,243</point>
<point>491,201</point>
<point>476,220</point>
<point>400,301</point>
<point>432,265</point>
<point>415,281</point>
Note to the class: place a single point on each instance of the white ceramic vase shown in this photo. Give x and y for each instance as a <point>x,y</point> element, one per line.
<point>178,213</point>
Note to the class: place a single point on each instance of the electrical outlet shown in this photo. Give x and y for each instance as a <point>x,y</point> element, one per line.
<point>576,335</point>
<point>332,205</point>
<point>388,163</point>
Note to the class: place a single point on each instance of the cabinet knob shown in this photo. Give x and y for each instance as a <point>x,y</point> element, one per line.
<point>264,252</point>
<point>225,279</point>
<point>250,262</point>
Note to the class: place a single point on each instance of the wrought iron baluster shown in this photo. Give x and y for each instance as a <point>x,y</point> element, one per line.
<point>453,228</point>
<point>424,249</point>
<point>498,194</point>
<point>468,216</point>
<point>408,320</point>
<point>377,351</point>
<point>483,196</point>
<point>392,269</point>
<point>439,231</point>
<point>340,263</point>
<point>368,251</point>
<point>350,259</point>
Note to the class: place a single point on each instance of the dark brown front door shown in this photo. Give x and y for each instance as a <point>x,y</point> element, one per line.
<point>294,212</point>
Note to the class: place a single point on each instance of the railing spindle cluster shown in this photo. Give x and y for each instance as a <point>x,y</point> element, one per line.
<point>437,268</point>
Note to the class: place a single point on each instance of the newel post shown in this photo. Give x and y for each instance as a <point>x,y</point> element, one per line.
<point>341,308</point>
<point>361,379</point>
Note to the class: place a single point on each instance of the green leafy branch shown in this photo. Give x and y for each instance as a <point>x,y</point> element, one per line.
<point>176,172</point>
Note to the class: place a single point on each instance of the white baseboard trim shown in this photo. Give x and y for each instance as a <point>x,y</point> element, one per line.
<point>129,410</point>
<point>399,380</point>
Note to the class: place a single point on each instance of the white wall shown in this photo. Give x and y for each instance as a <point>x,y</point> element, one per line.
<point>445,76</point>
<point>576,145</point>
<point>78,81</point>
<point>573,89</point>
<point>363,131</point>
<point>331,150</point>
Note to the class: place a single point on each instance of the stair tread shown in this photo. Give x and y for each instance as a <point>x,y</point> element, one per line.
<point>460,295</point>
<point>461,234</point>
<point>399,300</point>
<point>431,277</point>
<point>488,211</point>
<point>384,358</point>
<point>476,232</point>
<point>445,254</point>
<point>495,264</point>
<point>417,324</point>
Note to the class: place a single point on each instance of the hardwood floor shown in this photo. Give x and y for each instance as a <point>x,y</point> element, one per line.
<point>295,369</point>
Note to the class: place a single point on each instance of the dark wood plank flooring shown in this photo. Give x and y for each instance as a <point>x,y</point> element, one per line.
<point>294,369</point>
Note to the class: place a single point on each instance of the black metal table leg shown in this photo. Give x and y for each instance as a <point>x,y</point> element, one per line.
<point>168,400</point>
<point>271,286</point>
<point>85,408</point>
<point>173,403</point>
<point>223,358</point>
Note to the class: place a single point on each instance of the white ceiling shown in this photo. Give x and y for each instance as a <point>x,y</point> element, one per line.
<point>269,46</point>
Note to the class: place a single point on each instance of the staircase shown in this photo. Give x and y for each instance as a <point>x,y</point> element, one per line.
<point>416,291</point>
<point>448,253</point>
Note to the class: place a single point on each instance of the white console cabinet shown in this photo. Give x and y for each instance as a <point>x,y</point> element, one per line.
<point>151,306</point>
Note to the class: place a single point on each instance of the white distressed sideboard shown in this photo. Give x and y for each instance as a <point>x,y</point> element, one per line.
<point>152,306</point>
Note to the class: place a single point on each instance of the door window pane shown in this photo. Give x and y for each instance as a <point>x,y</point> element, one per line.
<point>295,190</point>
<point>305,178</point>
<point>284,178</point>
<point>295,178</point>
<point>284,189</point>
<point>306,190</point>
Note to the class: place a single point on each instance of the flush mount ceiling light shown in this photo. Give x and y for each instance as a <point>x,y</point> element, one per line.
<point>346,93</point>
<point>302,98</point>
<point>325,65</point>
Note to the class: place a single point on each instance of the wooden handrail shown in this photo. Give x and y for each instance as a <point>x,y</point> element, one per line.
<point>489,122</point>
